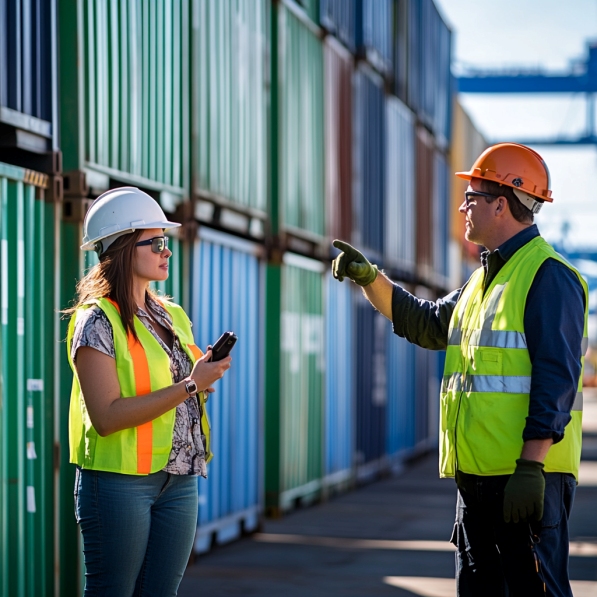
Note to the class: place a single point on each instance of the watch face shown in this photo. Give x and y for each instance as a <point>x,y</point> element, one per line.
<point>191,387</point>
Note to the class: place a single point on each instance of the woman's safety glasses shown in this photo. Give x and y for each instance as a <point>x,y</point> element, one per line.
<point>158,243</point>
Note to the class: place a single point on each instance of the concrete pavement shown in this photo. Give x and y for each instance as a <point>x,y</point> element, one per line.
<point>388,538</point>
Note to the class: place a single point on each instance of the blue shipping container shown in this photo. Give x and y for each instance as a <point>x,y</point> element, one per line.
<point>400,202</point>
<point>369,146</point>
<point>371,387</point>
<point>340,360</point>
<point>427,387</point>
<point>226,294</point>
<point>377,33</point>
<point>28,58</point>
<point>401,396</point>
<point>440,209</point>
<point>339,17</point>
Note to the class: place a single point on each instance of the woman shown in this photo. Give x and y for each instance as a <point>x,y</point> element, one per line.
<point>138,430</point>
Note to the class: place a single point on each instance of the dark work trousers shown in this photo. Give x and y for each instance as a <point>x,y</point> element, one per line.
<point>498,559</point>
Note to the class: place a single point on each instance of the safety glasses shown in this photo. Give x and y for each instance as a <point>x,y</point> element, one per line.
<point>470,197</point>
<point>158,243</point>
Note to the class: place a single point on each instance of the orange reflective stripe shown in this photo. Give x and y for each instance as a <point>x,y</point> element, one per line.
<point>142,386</point>
<point>197,353</point>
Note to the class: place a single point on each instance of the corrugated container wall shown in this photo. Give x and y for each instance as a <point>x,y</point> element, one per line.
<point>230,99</point>
<point>28,101</point>
<point>371,387</point>
<point>226,295</point>
<point>377,33</point>
<point>338,70</point>
<point>401,396</point>
<point>340,360</point>
<point>301,122</point>
<point>339,17</point>
<point>427,387</point>
<point>400,192</point>
<point>311,8</point>
<point>467,144</point>
<point>28,371</point>
<point>125,88</point>
<point>429,59</point>
<point>294,411</point>
<point>369,146</point>
<point>424,204</point>
<point>400,49</point>
<point>440,209</point>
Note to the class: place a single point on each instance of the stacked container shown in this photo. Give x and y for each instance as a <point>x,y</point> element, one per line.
<point>226,294</point>
<point>27,223</point>
<point>229,109</point>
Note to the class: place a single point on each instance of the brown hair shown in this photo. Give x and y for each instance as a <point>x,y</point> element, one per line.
<point>112,278</point>
<point>520,212</point>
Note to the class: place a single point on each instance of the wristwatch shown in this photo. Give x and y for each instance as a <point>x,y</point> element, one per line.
<point>191,386</point>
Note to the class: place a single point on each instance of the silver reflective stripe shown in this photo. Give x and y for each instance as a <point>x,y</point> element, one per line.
<point>492,305</point>
<point>578,401</point>
<point>584,346</point>
<point>490,338</point>
<point>501,384</point>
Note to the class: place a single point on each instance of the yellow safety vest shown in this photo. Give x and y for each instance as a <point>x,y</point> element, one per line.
<point>144,449</point>
<point>487,375</point>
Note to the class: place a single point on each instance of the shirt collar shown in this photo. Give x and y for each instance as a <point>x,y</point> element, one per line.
<point>507,249</point>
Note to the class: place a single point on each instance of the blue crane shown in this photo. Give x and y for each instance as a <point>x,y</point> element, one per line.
<point>580,79</point>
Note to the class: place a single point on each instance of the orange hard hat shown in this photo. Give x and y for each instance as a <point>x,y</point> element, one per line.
<point>516,166</point>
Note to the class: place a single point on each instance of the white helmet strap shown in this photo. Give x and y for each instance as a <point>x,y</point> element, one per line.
<point>529,201</point>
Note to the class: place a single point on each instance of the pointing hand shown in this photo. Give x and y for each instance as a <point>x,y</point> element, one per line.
<point>352,264</point>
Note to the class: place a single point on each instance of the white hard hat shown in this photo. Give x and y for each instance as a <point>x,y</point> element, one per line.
<point>120,211</point>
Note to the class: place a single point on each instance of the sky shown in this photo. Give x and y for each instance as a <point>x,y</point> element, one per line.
<point>551,35</point>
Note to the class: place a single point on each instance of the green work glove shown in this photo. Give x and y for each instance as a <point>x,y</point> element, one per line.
<point>353,264</point>
<point>524,492</point>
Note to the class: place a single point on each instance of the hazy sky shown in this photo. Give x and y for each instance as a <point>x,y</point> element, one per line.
<point>546,34</point>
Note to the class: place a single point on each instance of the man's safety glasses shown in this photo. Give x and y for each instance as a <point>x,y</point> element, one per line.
<point>158,243</point>
<point>470,197</point>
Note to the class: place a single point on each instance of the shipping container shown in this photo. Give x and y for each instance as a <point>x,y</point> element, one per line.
<point>424,215</point>
<point>402,398</point>
<point>467,145</point>
<point>226,294</point>
<point>338,70</point>
<point>28,84</point>
<point>429,79</point>
<point>294,455</point>
<point>369,147</point>
<point>400,192</point>
<point>377,33</point>
<point>311,8</point>
<point>441,211</point>
<point>125,89</point>
<point>400,50</point>
<point>339,17</point>
<point>299,127</point>
<point>230,108</point>
<point>27,353</point>
<point>340,362</point>
<point>371,388</point>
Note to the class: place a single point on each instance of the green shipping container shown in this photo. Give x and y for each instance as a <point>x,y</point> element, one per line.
<point>124,84</point>
<point>294,382</point>
<point>28,358</point>
<point>230,100</point>
<point>300,128</point>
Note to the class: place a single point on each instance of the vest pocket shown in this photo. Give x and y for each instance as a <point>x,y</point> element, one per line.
<point>489,361</point>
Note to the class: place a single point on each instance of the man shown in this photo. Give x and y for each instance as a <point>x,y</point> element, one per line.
<point>511,401</point>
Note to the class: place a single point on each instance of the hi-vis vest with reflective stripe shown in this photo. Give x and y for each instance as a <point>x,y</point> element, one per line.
<point>142,367</point>
<point>487,376</point>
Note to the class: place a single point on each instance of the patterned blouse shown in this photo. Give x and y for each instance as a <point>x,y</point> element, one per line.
<point>94,329</point>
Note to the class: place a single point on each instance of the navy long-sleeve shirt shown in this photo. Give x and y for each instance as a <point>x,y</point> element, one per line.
<point>553,325</point>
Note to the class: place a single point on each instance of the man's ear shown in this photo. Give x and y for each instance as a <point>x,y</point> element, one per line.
<point>501,206</point>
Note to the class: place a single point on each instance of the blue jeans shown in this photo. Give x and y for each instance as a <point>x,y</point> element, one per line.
<point>138,532</point>
<point>495,558</point>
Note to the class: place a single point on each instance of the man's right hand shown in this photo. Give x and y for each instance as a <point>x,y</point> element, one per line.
<point>353,264</point>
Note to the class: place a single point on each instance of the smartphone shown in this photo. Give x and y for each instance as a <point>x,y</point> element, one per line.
<point>221,349</point>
